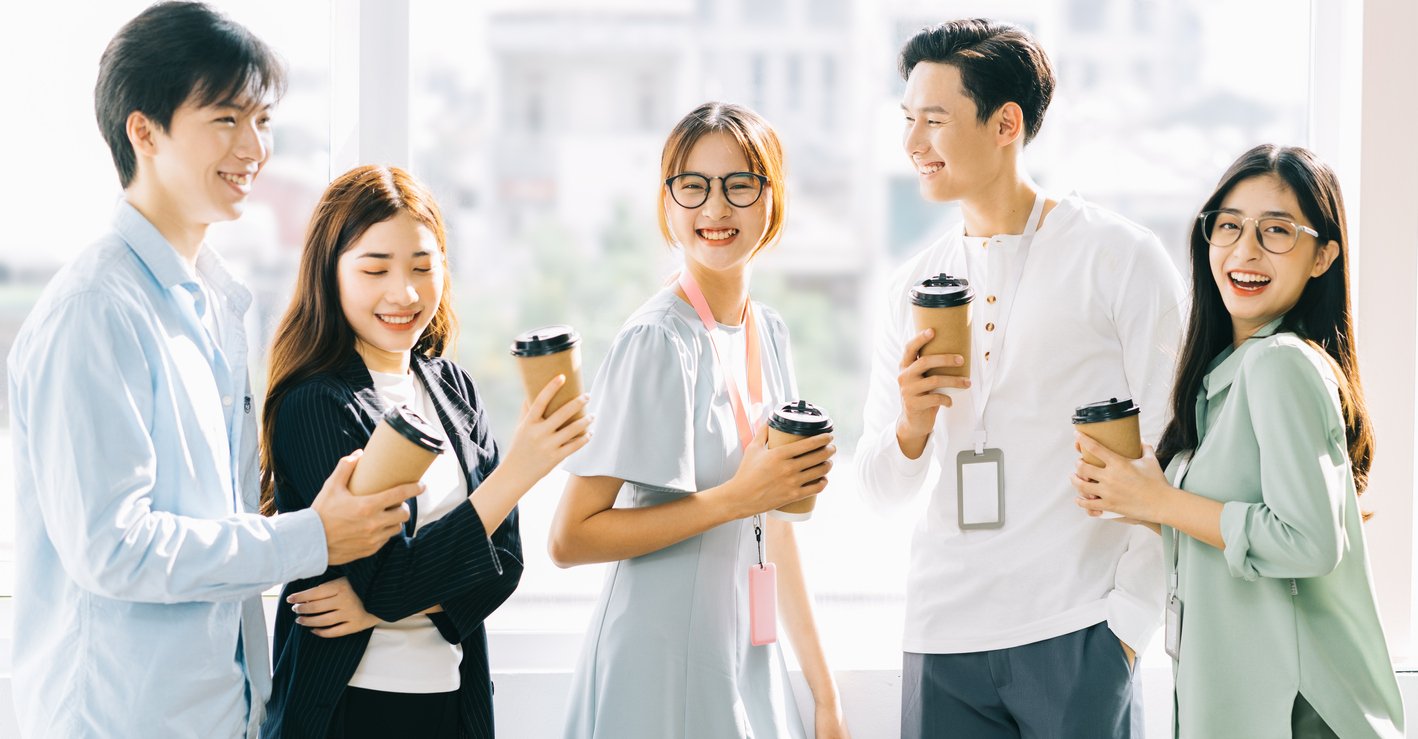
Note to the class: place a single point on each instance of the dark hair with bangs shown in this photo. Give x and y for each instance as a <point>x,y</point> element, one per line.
<point>999,63</point>
<point>171,53</point>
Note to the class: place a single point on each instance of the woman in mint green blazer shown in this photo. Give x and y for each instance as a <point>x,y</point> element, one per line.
<point>1272,621</point>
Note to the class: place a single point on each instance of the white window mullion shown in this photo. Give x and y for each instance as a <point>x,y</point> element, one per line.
<point>1363,57</point>
<point>369,78</point>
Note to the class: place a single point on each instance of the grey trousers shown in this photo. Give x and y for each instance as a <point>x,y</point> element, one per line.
<point>1075,686</point>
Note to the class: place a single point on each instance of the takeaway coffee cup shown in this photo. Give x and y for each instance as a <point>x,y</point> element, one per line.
<point>792,422</point>
<point>544,353</point>
<point>942,303</point>
<point>399,452</point>
<point>1112,423</point>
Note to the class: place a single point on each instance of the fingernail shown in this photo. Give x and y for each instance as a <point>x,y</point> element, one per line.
<point>959,361</point>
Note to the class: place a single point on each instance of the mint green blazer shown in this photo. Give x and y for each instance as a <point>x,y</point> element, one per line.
<point>1288,606</point>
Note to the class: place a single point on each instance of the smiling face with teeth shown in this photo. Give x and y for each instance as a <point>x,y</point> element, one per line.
<point>391,283</point>
<point>954,155</point>
<point>201,167</point>
<point>1258,286</point>
<point>717,235</point>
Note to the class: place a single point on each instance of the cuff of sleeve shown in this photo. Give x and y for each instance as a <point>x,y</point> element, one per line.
<point>1132,620</point>
<point>445,626</point>
<point>300,542</point>
<point>477,521</point>
<point>1235,517</point>
<point>902,465</point>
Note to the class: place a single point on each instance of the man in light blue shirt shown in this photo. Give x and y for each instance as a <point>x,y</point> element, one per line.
<point>140,559</point>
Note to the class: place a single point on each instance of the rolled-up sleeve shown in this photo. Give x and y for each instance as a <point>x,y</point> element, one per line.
<point>1297,529</point>
<point>87,397</point>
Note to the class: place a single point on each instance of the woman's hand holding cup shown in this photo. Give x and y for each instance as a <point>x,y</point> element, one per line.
<point>540,444</point>
<point>772,478</point>
<point>1136,489</point>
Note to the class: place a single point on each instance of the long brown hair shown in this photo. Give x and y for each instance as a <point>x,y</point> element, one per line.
<point>313,336</point>
<point>754,136</point>
<point>1322,317</point>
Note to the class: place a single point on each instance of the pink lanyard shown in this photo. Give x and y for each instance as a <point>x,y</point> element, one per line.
<point>753,363</point>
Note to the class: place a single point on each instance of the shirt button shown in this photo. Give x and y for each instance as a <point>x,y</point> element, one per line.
<point>989,327</point>
<point>991,299</point>
<point>226,400</point>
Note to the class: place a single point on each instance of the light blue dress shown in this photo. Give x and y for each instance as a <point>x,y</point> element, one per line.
<point>667,654</point>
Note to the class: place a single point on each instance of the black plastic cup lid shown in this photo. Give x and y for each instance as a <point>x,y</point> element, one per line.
<point>942,291</point>
<point>1108,410</point>
<point>413,427</point>
<point>801,418</point>
<point>540,342</point>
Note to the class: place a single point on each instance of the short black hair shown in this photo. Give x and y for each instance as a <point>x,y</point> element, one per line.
<point>173,52</point>
<point>999,63</point>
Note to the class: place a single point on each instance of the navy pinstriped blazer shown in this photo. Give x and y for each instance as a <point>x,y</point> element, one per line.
<point>452,561</point>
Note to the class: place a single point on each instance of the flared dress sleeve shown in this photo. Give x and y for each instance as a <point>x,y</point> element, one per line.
<point>643,401</point>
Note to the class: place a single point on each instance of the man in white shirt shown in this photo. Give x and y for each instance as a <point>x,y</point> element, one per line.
<point>1026,621</point>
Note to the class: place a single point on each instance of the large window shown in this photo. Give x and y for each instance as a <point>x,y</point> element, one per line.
<point>540,126</point>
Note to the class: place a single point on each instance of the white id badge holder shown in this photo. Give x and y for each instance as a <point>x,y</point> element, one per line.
<point>979,486</point>
<point>1174,627</point>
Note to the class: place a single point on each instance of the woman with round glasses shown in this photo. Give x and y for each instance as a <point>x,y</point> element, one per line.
<point>1271,616</point>
<point>679,403</point>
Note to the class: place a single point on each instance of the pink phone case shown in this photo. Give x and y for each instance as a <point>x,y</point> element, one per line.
<point>762,604</point>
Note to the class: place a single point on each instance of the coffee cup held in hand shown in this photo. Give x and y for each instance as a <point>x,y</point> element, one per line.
<point>792,422</point>
<point>1114,424</point>
<point>398,453</point>
<point>544,353</point>
<point>942,303</point>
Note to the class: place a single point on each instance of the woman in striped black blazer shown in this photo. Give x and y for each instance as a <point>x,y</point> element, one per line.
<point>392,645</point>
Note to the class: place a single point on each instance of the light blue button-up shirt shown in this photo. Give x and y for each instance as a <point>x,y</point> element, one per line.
<point>139,560</point>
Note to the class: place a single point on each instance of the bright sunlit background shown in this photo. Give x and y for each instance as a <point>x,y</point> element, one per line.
<point>538,125</point>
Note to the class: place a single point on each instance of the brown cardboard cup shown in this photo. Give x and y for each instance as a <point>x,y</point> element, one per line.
<point>793,422</point>
<point>1114,424</point>
<point>399,452</point>
<point>545,353</point>
<point>942,303</point>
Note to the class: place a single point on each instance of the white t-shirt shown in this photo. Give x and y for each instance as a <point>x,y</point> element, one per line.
<point>409,655</point>
<point>1098,315</point>
<point>733,352</point>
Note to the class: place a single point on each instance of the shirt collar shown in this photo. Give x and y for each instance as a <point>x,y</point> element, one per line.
<point>154,251</point>
<point>213,268</point>
<point>1224,367</point>
<point>168,267</point>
